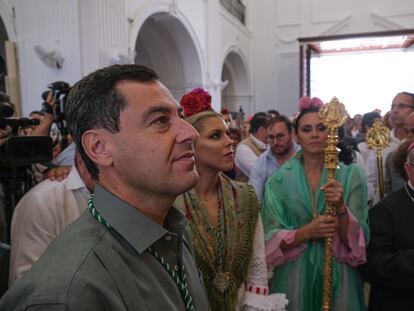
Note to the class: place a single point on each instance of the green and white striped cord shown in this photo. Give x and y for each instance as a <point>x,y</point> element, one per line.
<point>181,283</point>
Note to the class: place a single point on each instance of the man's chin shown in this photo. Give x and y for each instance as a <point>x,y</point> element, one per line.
<point>281,152</point>
<point>190,180</point>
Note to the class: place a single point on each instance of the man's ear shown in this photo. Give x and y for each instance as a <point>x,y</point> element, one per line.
<point>95,142</point>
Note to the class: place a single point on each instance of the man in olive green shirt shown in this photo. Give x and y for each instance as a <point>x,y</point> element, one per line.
<point>130,250</point>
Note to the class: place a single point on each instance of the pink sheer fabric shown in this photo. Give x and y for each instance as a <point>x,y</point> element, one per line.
<point>274,255</point>
<point>352,254</point>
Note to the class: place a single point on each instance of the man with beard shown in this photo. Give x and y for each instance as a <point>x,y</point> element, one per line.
<point>282,148</point>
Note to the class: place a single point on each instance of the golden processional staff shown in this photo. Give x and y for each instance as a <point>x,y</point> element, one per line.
<point>333,115</point>
<point>378,137</point>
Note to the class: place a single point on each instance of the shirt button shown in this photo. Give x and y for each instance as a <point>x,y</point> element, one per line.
<point>175,268</point>
<point>168,238</point>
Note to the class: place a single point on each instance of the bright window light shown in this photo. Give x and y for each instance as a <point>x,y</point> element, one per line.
<point>365,81</point>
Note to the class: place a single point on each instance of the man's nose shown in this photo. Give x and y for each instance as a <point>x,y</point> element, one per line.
<point>186,132</point>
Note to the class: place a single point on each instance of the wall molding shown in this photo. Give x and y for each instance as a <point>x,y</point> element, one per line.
<point>150,7</point>
<point>286,40</point>
<point>289,22</point>
<point>385,22</point>
<point>8,18</point>
<point>339,25</point>
<point>235,22</point>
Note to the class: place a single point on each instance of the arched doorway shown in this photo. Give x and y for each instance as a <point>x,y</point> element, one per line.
<point>3,38</point>
<point>237,90</point>
<point>165,45</point>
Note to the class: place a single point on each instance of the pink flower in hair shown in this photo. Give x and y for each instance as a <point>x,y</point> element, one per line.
<point>307,103</point>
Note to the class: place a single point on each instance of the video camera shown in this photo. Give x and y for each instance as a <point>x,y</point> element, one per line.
<point>59,91</point>
<point>6,118</point>
<point>22,150</point>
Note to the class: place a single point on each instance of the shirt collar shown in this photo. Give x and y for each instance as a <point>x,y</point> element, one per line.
<point>74,181</point>
<point>258,142</point>
<point>140,231</point>
<point>394,138</point>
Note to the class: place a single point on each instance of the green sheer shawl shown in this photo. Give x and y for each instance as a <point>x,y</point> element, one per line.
<point>287,205</point>
<point>241,211</point>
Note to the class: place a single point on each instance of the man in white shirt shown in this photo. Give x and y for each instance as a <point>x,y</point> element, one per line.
<point>43,213</point>
<point>402,106</point>
<point>252,147</point>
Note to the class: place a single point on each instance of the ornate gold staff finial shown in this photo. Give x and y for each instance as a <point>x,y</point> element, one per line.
<point>378,137</point>
<point>333,115</point>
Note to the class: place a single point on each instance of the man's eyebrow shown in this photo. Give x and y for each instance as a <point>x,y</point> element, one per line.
<point>156,109</point>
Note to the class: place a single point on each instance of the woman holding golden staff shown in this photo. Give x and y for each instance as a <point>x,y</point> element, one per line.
<point>227,231</point>
<point>295,226</point>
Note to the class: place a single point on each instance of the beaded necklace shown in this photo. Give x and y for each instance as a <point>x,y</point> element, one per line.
<point>181,282</point>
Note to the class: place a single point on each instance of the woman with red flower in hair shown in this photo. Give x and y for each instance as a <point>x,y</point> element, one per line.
<point>226,229</point>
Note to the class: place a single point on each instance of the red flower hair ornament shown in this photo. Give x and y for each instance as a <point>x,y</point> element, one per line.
<point>198,100</point>
<point>307,103</point>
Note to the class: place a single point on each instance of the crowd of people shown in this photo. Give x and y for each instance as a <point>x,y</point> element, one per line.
<point>168,206</point>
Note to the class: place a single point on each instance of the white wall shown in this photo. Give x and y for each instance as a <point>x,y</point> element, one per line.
<point>54,25</point>
<point>91,34</point>
<point>277,24</point>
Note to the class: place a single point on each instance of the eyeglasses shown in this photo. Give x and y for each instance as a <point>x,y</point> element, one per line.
<point>275,137</point>
<point>401,106</point>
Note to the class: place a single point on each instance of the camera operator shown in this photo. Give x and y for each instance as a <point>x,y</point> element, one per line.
<point>54,112</point>
<point>48,118</point>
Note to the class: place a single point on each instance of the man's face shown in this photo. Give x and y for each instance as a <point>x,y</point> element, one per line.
<point>153,151</point>
<point>402,105</point>
<point>409,125</point>
<point>279,139</point>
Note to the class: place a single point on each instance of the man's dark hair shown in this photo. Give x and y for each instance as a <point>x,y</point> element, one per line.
<point>259,120</point>
<point>95,102</point>
<point>368,120</point>
<point>409,94</point>
<point>280,118</point>
<point>273,112</point>
<point>35,112</point>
